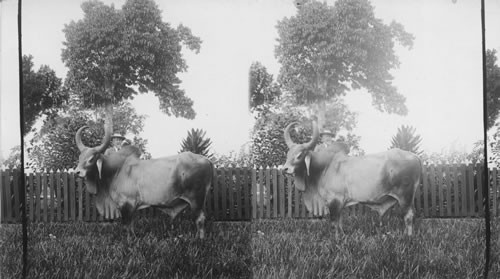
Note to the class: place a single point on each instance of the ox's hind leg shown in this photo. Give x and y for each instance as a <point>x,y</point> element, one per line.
<point>408,215</point>
<point>200,224</point>
<point>407,207</point>
<point>335,208</point>
<point>199,217</point>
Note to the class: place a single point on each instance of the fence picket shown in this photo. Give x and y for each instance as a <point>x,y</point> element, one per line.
<point>479,190</point>
<point>260,195</point>
<point>432,175</point>
<point>95,213</point>
<point>426,188</point>
<point>247,193</point>
<point>470,170</point>
<point>254,193</point>
<point>440,188</point>
<point>87,204</point>
<point>45,206</point>
<point>268,193</point>
<point>455,171</point>
<point>463,189</point>
<point>49,183</point>
<point>231,192</point>
<point>223,187</point>
<point>17,200</point>
<point>80,200</point>
<point>275,192</point>
<point>3,207</point>
<point>215,187</point>
<point>65,205</point>
<point>31,197</point>
<point>494,192</point>
<point>59,195</point>
<point>8,196</point>
<point>449,202</point>
<point>238,187</point>
<point>38,201</point>
<point>281,194</point>
<point>72,197</point>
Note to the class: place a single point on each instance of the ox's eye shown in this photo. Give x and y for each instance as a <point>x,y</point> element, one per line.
<point>299,156</point>
<point>89,160</point>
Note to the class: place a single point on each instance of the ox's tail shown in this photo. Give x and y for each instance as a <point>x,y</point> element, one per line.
<point>211,177</point>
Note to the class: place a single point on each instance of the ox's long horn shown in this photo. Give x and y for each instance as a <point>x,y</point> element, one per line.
<point>78,138</point>
<point>315,136</point>
<point>108,130</point>
<point>286,134</point>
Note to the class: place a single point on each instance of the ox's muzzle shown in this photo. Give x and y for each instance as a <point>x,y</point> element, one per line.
<point>81,173</point>
<point>288,170</point>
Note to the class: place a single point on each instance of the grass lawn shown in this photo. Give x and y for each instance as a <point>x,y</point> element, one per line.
<point>448,248</point>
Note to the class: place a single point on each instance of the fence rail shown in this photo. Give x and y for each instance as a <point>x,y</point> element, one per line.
<point>244,194</point>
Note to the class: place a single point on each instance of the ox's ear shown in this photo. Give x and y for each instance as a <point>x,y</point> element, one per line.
<point>99,166</point>
<point>307,160</point>
<point>300,180</point>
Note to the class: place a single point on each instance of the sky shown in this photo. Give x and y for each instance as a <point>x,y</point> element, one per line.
<point>441,76</point>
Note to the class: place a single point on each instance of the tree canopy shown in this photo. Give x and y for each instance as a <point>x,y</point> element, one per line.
<point>263,89</point>
<point>196,142</point>
<point>53,147</point>
<point>492,87</point>
<point>407,139</point>
<point>113,54</point>
<point>325,51</point>
<point>42,93</point>
<point>268,145</point>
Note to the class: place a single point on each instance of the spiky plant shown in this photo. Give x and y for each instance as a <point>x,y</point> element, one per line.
<point>196,143</point>
<point>406,139</point>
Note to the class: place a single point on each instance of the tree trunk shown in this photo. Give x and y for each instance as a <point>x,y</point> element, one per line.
<point>108,106</point>
<point>319,111</point>
<point>108,120</point>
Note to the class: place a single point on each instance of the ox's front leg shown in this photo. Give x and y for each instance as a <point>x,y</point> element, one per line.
<point>335,208</point>
<point>127,211</point>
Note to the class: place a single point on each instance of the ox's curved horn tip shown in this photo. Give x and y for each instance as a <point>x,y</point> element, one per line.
<point>286,133</point>
<point>78,138</point>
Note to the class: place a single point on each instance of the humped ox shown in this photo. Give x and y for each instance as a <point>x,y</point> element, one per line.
<point>332,178</point>
<point>121,180</point>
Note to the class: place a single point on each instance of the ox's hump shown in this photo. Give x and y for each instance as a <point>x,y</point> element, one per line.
<point>130,150</point>
<point>399,154</point>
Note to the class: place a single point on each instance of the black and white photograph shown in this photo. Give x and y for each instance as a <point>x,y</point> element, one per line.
<point>249,139</point>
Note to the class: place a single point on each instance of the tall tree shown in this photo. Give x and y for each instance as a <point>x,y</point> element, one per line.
<point>197,143</point>
<point>53,147</point>
<point>324,51</point>
<point>406,139</point>
<point>338,116</point>
<point>114,54</point>
<point>492,87</point>
<point>42,93</point>
<point>263,90</point>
